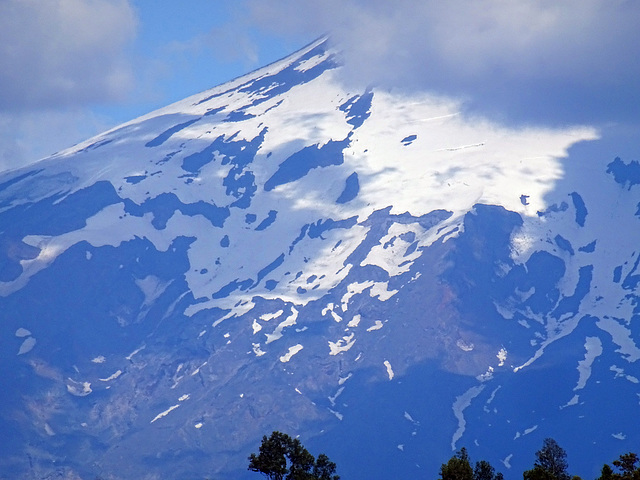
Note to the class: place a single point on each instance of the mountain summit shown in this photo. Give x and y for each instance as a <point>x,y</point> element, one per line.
<point>370,270</point>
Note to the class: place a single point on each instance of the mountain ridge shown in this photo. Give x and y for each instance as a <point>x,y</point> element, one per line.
<point>359,268</point>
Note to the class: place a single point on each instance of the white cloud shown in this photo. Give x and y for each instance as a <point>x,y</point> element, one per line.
<point>63,52</point>
<point>578,58</point>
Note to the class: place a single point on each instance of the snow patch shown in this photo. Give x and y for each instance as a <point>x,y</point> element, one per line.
<point>465,347</point>
<point>22,332</point>
<point>621,336</point>
<point>389,369</point>
<point>355,321</point>
<point>165,413</point>
<point>342,345</point>
<point>292,351</point>
<point>459,405</point>
<point>256,326</point>
<point>27,345</point>
<point>502,356</point>
<point>288,322</point>
<point>376,326</point>
<point>78,389</point>
<point>257,350</point>
<point>111,377</point>
<point>593,347</point>
<point>135,352</point>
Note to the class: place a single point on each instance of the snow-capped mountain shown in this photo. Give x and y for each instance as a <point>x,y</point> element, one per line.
<point>373,271</point>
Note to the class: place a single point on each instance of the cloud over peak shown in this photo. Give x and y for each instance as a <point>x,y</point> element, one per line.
<point>62,53</point>
<point>562,61</point>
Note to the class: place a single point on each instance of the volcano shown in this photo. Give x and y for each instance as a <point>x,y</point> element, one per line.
<point>373,271</point>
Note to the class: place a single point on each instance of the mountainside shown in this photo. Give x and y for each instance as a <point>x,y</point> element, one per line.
<point>373,271</point>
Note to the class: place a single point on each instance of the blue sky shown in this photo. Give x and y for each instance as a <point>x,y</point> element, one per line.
<point>70,69</point>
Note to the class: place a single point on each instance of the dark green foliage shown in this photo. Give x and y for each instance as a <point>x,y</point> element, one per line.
<point>484,471</point>
<point>284,458</point>
<point>606,473</point>
<point>626,466</point>
<point>459,468</point>
<point>325,469</point>
<point>271,460</point>
<point>551,463</point>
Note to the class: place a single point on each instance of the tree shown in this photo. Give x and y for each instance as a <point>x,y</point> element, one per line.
<point>271,461</point>
<point>284,458</point>
<point>483,471</point>
<point>626,465</point>
<point>551,463</point>
<point>325,469</point>
<point>458,467</point>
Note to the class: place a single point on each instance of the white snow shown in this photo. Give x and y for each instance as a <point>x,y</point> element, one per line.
<point>502,356</point>
<point>465,347</point>
<point>410,418</point>
<point>353,289</point>
<point>375,326</point>
<point>165,413</point>
<point>380,290</point>
<point>112,377</point>
<point>621,336</point>
<point>152,287</point>
<point>593,347</point>
<point>288,322</point>
<point>461,403</point>
<point>455,162</point>
<point>390,373</point>
<point>99,359</point>
<point>292,351</point>
<point>330,309</point>
<point>256,326</point>
<point>27,345</point>
<point>257,350</point>
<point>342,345</point>
<point>355,321</point>
<point>22,332</point>
<point>332,399</point>
<point>270,316</point>
<point>486,376</point>
<point>619,373</point>
<point>197,370</point>
<point>135,352</point>
<point>574,401</point>
<point>338,415</point>
<point>78,389</point>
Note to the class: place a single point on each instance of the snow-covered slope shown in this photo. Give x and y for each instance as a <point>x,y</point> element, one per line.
<point>372,271</point>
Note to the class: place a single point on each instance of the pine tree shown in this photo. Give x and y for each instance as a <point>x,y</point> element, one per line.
<point>551,463</point>
<point>458,467</point>
<point>284,458</point>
